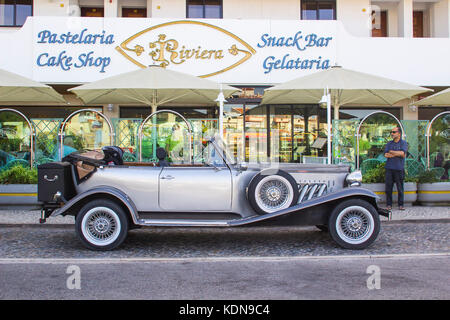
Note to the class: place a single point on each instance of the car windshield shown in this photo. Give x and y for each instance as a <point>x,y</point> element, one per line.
<point>214,153</point>
<point>223,149</point>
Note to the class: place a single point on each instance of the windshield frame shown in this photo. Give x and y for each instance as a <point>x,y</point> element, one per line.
<point>222,151</point>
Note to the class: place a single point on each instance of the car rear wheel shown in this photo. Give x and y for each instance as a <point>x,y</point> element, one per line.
<point>271,193</point>
<point>101,225</point>
<point>354,224</point>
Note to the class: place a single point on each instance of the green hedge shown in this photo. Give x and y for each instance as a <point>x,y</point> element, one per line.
<point>18,175</point>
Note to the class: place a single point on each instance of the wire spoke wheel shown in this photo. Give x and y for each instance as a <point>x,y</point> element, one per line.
<point>101,226</point>
<point>355,225</point>
<point>274,193</point>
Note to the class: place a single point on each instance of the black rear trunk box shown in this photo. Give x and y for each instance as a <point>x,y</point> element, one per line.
<point>55,177</point>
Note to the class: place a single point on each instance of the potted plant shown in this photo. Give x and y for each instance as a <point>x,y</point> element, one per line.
<point>433,191</point>
<point>18,187</point>
<point>374,180</point>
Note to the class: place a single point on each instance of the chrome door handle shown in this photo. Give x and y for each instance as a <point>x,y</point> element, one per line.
<point>167,177</point>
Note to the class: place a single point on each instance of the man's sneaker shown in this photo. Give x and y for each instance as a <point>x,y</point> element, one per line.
<point>401,208</point>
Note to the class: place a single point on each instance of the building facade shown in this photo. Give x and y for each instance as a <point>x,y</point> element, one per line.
<point>251,44</point>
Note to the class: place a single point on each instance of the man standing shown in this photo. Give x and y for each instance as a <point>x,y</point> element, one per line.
<point>395,152</point>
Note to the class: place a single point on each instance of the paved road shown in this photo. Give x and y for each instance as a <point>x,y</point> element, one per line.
<point>412,259</point>
<point>401,277</point>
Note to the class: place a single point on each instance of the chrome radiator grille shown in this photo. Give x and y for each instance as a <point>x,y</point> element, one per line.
<point>312,190</point>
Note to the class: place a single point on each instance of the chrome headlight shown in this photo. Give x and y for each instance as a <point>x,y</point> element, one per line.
<point>354,178</point>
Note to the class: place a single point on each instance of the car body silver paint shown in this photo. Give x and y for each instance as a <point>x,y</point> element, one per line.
<point>208,188</point>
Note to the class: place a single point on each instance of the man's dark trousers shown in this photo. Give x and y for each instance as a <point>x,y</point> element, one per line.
<point>394,176</point>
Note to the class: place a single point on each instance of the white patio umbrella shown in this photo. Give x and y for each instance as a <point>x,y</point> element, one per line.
<point>441,98</point>
<point>346,86</point>
<point>154,86</point>
<point>17,89</point>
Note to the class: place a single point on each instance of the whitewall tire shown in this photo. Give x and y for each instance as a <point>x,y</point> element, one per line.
<point>354,224</point>
<point>101,225</point>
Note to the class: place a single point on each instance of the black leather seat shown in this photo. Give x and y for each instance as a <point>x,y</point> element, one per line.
<point>161,154</point>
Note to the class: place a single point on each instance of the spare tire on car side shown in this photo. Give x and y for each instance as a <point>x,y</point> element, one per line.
<point>270,192</point>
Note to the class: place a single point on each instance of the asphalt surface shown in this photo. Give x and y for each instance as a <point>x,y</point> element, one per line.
<point>412,253</point>
<point>352,278</point>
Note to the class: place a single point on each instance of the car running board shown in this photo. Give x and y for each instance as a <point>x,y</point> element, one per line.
<point>257,218</point>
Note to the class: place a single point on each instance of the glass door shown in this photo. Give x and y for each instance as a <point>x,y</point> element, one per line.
<point>233,125</point>
<point>281,133</point>
<point>255,133</point>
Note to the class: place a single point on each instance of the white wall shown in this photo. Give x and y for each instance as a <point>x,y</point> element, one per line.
<point>440,25</point>
<point>51,7</point>
<point>355,15</point>
<point>168,9</point>
<point>261,9</point>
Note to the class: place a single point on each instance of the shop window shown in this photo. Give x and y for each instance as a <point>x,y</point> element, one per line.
<point>428,113</point>
<point>297,133</point>
<point>373,136</point>
<point>211,9</point>
<point>134,12</point>
<point>13,13</point>
<point>188,113</point>
<point>92,12</point>
<point>346,113</point>
<point>15,140</point>
<point>379,24</point>
<point>318,10</point>
<point>43,112</point>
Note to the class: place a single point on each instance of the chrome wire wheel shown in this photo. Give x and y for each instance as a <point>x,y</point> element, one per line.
<point>101,226</point>
<point>274,193</point>
<point>355,225</point>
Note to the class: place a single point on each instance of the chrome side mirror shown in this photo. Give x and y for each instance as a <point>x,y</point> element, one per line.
<point>243,166</point>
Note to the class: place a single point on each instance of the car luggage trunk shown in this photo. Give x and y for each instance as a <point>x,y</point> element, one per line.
<point>55,177</point>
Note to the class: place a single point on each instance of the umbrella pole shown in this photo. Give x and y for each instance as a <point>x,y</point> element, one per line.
<point>154,133</point>
<point>221,100</point>
<point>154,130</point>
<point>329,127</point>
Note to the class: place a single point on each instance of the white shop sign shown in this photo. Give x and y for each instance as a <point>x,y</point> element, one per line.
<point>75,50</point>
<point>80,50</point>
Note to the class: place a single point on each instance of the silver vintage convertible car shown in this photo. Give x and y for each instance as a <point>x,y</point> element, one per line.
<point>108,197</point>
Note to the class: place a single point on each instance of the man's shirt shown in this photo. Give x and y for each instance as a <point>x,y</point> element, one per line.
<point>396,163</point>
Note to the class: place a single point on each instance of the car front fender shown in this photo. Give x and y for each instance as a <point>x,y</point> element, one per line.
<point>331,197</point>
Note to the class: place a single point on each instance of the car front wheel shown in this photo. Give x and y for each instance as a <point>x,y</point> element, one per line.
<point>354,224</point>
<point>101,225</point>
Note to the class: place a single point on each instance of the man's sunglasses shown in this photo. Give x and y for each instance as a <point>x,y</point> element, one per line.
<point>394,131</point>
